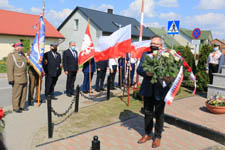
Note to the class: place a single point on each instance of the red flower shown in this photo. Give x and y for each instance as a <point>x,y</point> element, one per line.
<point>1,113</point>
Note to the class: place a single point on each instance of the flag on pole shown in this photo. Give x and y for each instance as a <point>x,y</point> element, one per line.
<point>138,48</point>
<point>87,48</point>
<point>115,45</point>
<point>38,47</point>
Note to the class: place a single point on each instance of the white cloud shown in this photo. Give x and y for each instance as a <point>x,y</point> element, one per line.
<point>4,4</point>
<point>212,4</point>
<point>169,16</point>
<point>35,10</point>
<point>102,7</point>
<point>153,24</point>
<point>168,3</point>
<point>57,17</point>
<point>134,9</point>
<point>210,21</point>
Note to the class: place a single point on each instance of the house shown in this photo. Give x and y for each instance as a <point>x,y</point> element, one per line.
<point>185,38</point>
<point>101,24</point>
<point>15,26</point>
<point>168,40</point>
<point>221,43</point>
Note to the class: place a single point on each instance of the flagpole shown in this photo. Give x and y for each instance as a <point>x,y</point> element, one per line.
<point>39,80</point>
<point>140,34</point>
<point>89,76</point>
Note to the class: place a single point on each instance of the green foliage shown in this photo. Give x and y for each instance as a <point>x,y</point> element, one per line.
<point>3,65</point>
<point>161,66</point>
<point>202,77</point>
<point>27,46</point>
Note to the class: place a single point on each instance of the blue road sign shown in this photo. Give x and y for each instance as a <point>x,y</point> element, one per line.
<point>196,33</point>
<point>173,27</point>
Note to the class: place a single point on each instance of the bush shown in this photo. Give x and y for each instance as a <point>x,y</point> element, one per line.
<point>189,57</point>
<point>27,45</point>
<point>2,65</point>
<point>202,77</point>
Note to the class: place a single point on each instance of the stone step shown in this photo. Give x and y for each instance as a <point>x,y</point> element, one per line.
<point>219,79</point>
<point>215,90</point>
<point>223,69</point>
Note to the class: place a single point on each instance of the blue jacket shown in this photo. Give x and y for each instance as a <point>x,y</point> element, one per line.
<point>147,88</point>
<point>86,66</point>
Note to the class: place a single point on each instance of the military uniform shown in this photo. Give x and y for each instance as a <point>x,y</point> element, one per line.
<point>17,76</point>
<point>33,83</point>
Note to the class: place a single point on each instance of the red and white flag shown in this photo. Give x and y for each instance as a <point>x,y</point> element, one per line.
<point>138,48</point>
<point>115,45</point>
<point>87,48</point>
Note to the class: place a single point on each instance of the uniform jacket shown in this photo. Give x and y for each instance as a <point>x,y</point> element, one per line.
<point>86,66</point>
<point>70,63</point>
<point>16,66</point>
<point>147,88</point>
<point>102,64</point>
<point>52,68</point>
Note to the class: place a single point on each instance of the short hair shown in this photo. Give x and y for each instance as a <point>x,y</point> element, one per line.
<point>71,42</point>
<point>161,39</point>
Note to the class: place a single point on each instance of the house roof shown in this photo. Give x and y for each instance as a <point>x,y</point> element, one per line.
<point>16,23</point>
<point>167,39</point>
<point>109,23</point>
<point>204,33</point>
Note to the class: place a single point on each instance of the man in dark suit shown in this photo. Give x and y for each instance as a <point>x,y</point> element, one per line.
<point>52,67</point>
<point>101,71</point>
<point>121,67</point>
<point>86,71</point>
<point>153,99</point>
<point>70,65</point>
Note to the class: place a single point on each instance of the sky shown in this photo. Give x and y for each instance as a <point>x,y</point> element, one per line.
<point>203,14</point>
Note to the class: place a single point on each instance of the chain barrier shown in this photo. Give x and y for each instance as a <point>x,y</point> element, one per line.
<point>66,112</point>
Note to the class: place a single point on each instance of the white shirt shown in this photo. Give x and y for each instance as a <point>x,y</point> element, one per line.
<point>112,62</point>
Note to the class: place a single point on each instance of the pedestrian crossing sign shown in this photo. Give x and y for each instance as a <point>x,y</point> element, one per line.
<point>173,27</point>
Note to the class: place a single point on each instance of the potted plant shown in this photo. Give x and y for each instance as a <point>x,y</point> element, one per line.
<point>216,104</point>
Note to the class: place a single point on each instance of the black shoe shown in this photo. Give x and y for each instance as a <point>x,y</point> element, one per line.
<point>73,93</point>
<point>97,90</point>
<point>24,109</point>
<point>68,94</point>
<point>53,97</point>
<point>85,92</point>
<point>102,89</point>
<point>17,111</point>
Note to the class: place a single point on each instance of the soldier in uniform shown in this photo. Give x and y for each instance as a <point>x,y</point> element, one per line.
<point>17,76</point>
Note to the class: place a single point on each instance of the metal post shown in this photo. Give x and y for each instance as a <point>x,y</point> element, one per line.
<point>95,143</point>
<point>49,106</point>
<point>77,99</point>
<point>195,54</point>
<point>108,87</point>
<point>173,41</point>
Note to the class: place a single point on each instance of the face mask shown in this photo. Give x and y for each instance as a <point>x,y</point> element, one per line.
<point>215,48</point>
<point>154,48</point>
<point>73,48</point>
<point>54,50</point>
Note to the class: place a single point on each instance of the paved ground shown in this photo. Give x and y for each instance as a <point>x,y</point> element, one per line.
<point>20,128</point>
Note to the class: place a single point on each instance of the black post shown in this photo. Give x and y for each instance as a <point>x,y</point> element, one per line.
<point>77,99</point>
<point>49,106</point>
<point>108,87</point>
<point>95,143</point>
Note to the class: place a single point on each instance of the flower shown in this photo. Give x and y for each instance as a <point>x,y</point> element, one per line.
<point>166,54</point>
<point>217,100</point>
<point>155,53</point>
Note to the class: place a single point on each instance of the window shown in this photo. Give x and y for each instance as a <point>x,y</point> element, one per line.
<point>76,21</point>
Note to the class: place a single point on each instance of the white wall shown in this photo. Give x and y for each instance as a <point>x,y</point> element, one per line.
<point>6,42</point>
<point>69,32</point>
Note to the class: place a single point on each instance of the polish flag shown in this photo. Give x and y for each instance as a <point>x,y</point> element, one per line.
<point>140,47</point>
<point>115,45</point>
<point>87,48</point>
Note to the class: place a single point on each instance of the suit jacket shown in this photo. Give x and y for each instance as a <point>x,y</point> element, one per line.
<point>16,66</point>
<point>53,66</point>
<point>70,63</point>
<point>147,88</point>
<point>86,66</point>
<point>102,64</point>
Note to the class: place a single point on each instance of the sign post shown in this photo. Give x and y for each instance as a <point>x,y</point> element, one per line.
<point>196,33</point>
<point>173,28</point>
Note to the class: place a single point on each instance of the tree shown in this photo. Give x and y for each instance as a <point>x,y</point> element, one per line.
<point>26,44</point>
<point>202,77</point>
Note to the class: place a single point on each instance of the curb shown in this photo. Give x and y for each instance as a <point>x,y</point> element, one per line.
<point>196,129</point>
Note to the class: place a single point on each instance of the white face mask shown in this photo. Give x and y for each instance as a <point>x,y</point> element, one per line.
<point>73,48</point>
<point>215,48</point>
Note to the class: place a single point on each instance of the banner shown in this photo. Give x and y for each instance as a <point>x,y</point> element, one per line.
<point>138,48</point>
<point>38,47</point>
